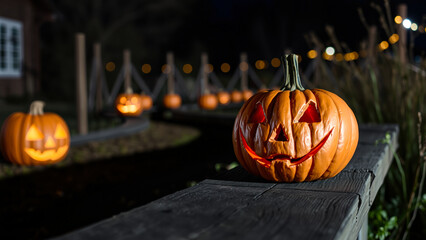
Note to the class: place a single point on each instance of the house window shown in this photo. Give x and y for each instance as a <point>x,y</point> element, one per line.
<point>10,48</point>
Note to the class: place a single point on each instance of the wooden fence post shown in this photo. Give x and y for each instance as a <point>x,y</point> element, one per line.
<point>244,69</point>
<point>170,73</point>
<point>81,87</point>
<point>98,69</point>
<point>205,74</point>
<point>402,32</point>
<point>127,71</point>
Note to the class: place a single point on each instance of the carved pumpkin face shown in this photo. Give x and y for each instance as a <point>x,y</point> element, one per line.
<point>295,135</point>
<point>129,104</point>
<point>34,138</point>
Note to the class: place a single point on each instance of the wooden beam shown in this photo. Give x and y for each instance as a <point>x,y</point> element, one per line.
<point>170,69</point>
<point>98,68</point>
<point>204,74</point>
<point>81,88</point>
<point>244,70</point>
<point>127,71</point>
<point>402,32</point>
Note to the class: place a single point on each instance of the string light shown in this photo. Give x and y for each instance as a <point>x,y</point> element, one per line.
<point>209,68</point>
<point>414,27</point>
<point>275,62</point>
<point>394,38</point>
<point>260,64</point>
<point>398,19</point>
<point>406,23</point>
<point>312,54</point>
<point>225,67</point>
<point>383,45</point>
<point>110,66</point>
<point>146,68</point>
<point>187,68</point>
<point>330,51</point>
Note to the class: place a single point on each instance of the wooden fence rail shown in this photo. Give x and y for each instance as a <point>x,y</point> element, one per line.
<point>237,205</point>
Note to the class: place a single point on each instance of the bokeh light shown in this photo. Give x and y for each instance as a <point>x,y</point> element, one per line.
<point>260,64</point>
<point>406,23</point>
<point>414,27</point>
<point>146,68</point>
<point>110,66</point>
<point>398,19</point>
<point>394,38</point>
<point>225,67</point>
<point>275,62</point>
<point>243,66</point>
<point>187,68</point>
<point>312,54</point>
<point>330,51</point>
<point>383,45</point>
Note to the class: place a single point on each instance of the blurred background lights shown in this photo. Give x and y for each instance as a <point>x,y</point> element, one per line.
<point>146,68</point>
<point>330,51</point>
<point>165,68</point>
<point>406,23</point>
<point>225,67</point>
<point>414,27</point>
<point>275,62</point>
<point>383,45</point>
<point>312,54</point>
<point>339,57</point>
<point>398,19</point>
<point>394,38</point>
<point>110,66</point>
<point>260,64</point>
<point>187,68</point>
<point>243,66</point>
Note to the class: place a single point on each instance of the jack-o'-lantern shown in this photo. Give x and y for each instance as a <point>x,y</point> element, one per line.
<point>236,96</point>
<point>247,94</point>
<point>146,102</point>
<point>172,101</point>
<point>36,138</point>
<point>223,97</point>
<point>129,104</point>
<point>295,134</point>
<point>208,101</point>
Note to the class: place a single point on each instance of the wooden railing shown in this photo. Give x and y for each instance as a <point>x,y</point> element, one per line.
<point>236,205</point>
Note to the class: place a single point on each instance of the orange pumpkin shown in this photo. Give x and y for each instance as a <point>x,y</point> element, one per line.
<point>223,97</point>
<point>146,102</point>
<point>129,104</point>
<point>36,138</point>
<point>295,134</point>
<point>236,96</point>
<point>172,101</point>
<point>247,94</point>
<point>208,101</point>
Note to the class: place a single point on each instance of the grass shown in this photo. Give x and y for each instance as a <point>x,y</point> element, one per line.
<point>380,88</point>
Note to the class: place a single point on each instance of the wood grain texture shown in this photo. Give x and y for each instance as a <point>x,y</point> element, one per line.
<point>236,205</point>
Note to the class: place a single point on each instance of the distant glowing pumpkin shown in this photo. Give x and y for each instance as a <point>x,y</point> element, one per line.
<point>36,138</point>
<point>172,101</point>
<point>146,102</point>
<point>129,104</point>
<point>223,97</point>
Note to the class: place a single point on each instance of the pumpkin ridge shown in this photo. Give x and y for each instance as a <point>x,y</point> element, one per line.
<point>328,172</point>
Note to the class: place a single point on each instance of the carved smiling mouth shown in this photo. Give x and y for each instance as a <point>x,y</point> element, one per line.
<point>266,161</point>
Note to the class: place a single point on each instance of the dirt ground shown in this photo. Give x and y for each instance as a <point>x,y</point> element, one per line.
<point>102,179</point>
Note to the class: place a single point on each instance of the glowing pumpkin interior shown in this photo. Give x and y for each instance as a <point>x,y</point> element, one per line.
<point>128,104</point>
<point>46,147</point>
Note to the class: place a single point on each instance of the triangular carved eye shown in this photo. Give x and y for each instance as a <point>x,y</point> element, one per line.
<point>310,115</point>
<point>258,116</point>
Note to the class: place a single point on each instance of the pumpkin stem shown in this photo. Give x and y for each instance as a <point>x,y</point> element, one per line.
<point>36,108</point>
<point>291,73</point>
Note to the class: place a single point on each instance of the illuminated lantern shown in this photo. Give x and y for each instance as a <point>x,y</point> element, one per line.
<point>247,94</point>
<point>146,101</point>
<point>172,101</point>
<point>129,104</point>
<point>295,134</point>
<point>208,101</point>
<point>36,138</point>
<point>236,96</point>
<point>223,97</point>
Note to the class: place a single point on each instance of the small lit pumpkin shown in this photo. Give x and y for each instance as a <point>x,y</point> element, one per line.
<point>247,94</point>
<point>223,97</point>
<point>146,102</point>
<point>236,96</point>
<point>36,138</point>
<point>293,134</point>
<point>172,101</point>
<point>129,104</point>
<point>208,101</point>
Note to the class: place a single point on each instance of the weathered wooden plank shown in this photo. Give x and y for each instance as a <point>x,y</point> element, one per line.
<point>237,205</point>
